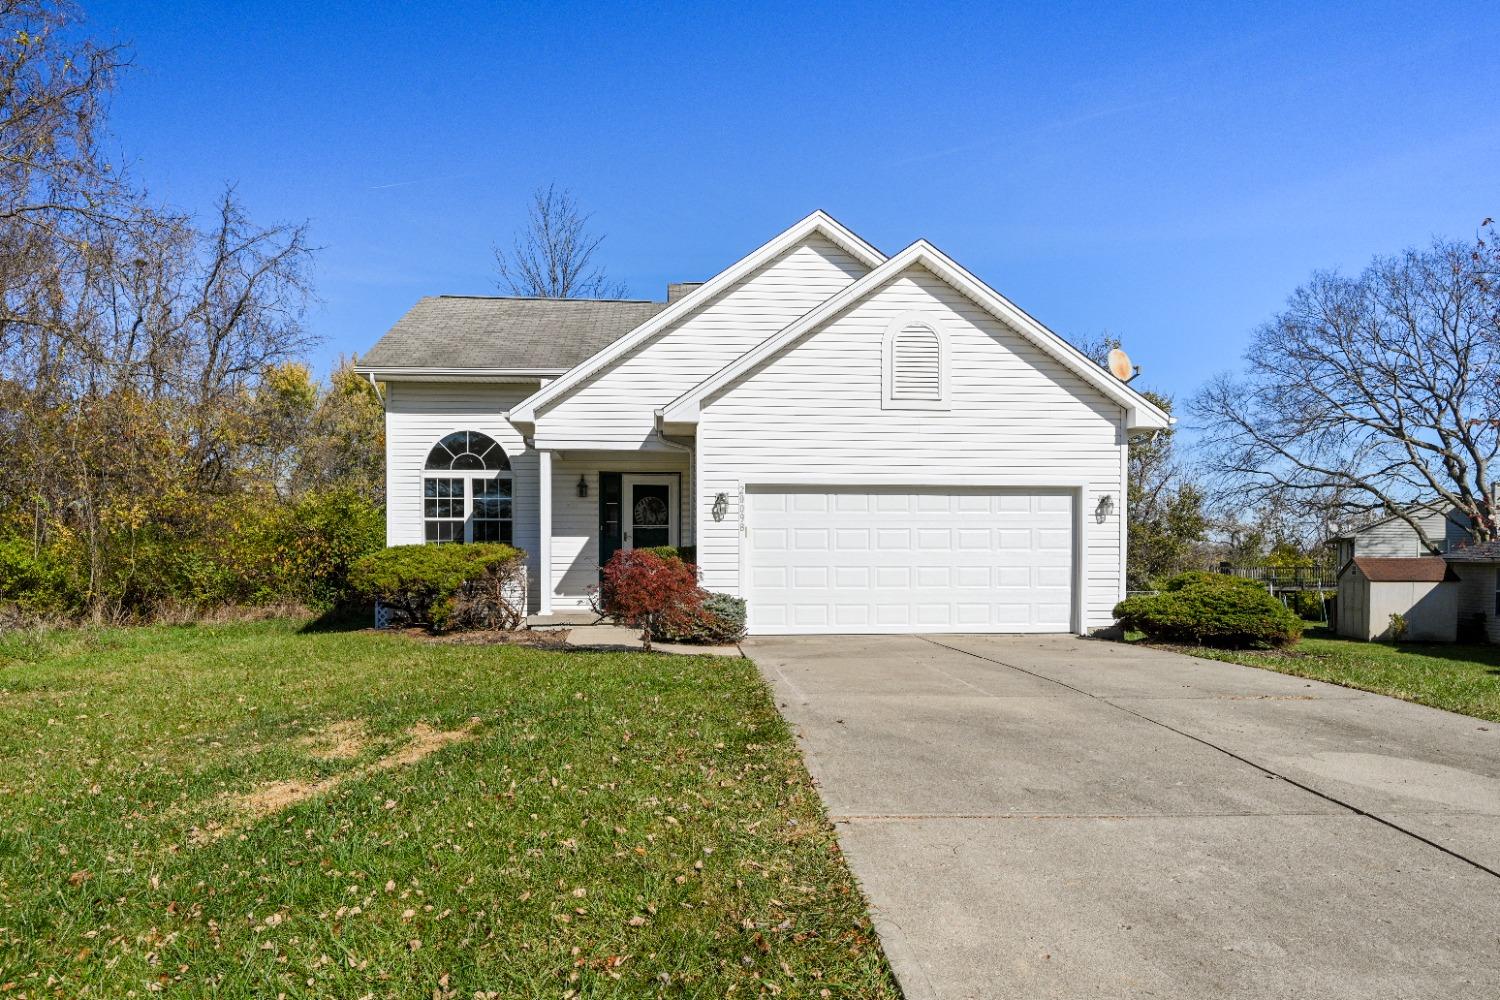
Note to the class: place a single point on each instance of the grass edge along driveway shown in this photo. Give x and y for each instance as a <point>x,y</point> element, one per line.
<point>254,810</point>
<point>1454,677</point>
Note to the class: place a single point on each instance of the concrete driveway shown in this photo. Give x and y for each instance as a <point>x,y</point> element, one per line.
<point>1059,817</point>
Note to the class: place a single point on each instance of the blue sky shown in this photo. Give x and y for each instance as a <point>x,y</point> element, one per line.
<point>1168,175</point>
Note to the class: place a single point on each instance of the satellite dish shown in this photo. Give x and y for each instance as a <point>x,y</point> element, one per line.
<point>1119,365</point>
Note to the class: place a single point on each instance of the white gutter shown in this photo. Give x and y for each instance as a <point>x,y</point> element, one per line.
<point>460,373</point>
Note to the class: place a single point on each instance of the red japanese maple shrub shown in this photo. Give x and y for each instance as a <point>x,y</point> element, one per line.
<point>641,589</point>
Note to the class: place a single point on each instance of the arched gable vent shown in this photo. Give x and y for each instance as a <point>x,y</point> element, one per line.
<point>916,364</point>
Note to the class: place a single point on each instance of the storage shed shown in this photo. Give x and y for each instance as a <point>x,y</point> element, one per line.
<point>1422,590</point>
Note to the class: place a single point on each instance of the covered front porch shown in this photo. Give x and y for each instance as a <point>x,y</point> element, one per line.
<point>592,503</point>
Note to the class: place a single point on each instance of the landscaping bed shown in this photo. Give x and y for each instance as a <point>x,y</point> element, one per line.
<point>257,810</point>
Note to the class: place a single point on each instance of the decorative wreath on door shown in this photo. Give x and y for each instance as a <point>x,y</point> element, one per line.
<point>651,511</point>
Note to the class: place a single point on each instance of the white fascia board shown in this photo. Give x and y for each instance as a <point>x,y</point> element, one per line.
<point>1141,413</point>
<point>458,374</point>
<point>818,222</point>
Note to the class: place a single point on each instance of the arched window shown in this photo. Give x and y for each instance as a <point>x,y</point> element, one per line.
<point>466,490</point>
<point>463,450</point>
<point>916,364</point>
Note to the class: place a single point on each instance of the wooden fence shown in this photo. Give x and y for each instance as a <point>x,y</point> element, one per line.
<point>1284,578</point>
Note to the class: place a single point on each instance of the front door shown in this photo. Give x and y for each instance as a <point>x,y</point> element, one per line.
<point>650,512</point>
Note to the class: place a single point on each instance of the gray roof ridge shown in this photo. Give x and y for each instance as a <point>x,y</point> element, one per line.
<point>537,298</point>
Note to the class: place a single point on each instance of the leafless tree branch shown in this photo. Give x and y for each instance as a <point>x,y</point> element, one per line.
<point>553,255</point>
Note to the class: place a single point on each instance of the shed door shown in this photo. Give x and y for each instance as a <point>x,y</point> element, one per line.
<point>865,559</point>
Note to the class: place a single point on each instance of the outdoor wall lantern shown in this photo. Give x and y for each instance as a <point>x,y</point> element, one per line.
<point>1106,507</point>
<point>583,487</point>
<point>721,506</point>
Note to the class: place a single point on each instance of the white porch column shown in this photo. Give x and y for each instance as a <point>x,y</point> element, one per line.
<point>544,532</point>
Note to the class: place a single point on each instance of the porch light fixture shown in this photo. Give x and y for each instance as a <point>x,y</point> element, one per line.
<point>721,506</point>
<point>1105,508</point>
<point>583,487</point>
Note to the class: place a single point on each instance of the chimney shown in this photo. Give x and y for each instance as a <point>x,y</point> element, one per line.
<point>677,289</point>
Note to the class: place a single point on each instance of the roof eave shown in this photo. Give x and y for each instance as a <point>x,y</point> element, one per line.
<point>407,373</point>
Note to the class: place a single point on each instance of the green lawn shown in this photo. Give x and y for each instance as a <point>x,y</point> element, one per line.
<point>1459,678</point>
<point>246,810</point>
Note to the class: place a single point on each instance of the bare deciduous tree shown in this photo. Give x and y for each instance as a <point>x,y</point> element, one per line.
<point>553,255</point>
<point>1166,518</point>
<point>1370,393</point>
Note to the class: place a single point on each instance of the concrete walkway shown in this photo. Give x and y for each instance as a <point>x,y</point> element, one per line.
<point>1058,817</point>
<point>586,631</point>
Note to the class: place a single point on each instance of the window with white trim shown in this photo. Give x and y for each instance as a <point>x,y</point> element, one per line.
<point>916,364</point>
<point>466,490</point>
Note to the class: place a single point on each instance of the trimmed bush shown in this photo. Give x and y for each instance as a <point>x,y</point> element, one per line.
<point>658,595</point>
<point>720,619</point>
<point>1198,577</point>
<point>1211,610</point>
<point>442,586</point>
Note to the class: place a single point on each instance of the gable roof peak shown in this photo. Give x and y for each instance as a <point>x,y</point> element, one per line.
<point>523,415</point>
<point>1141,413</point>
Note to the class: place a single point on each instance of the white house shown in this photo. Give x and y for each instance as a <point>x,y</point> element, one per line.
<point>1393,537</point>
<point>853,443</point>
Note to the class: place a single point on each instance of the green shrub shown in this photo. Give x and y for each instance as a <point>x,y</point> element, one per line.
<point>318,540</point>
<point>719,619</point>
<point>1308,604</point>
<point>1198,577</point>
<point>36,585</point>
<point>1397,628</point>
<point>436,586</point>
<point>684,553</point>
<point>1213,611</point>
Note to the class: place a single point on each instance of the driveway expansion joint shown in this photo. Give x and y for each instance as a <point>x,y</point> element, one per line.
<point>1271,772</point>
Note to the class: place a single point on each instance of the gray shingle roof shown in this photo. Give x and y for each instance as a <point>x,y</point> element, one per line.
<point>1475,552</point>
<point>463,331</point>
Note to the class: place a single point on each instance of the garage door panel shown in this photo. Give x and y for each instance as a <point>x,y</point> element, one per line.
<point>851,577</point>
<point>851,503</point>
<point>851,538</point>
<point>856,559</point>
<point>972,577</point>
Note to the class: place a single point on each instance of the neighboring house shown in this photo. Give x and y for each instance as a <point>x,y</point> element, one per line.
<point>1422,591</point>
<point>1478,569</point>
<point>851,442</point>
<point>1392,537</point>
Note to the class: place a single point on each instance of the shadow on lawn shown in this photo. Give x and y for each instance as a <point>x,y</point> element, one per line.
<point>1482,654</point>
<point>343,619</point>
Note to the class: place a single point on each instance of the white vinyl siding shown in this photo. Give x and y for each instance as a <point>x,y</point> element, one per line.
<point>575,519</point>
<point>616,408</point>
<point>916,364</point>
<point>1395,538</point>
<point>417,416</point>
<point>1013,413</point>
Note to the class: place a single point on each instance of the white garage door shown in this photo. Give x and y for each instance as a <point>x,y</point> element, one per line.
<point>865,559</point>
